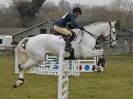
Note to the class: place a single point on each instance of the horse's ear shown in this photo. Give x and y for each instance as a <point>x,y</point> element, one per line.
<point>114,22</point>
<point>117,24</point>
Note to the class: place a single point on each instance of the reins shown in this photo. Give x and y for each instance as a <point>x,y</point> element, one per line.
<point>90,34</point>
<point>82,34</point>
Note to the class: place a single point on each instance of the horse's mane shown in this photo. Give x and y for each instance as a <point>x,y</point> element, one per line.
<point>94,24</point>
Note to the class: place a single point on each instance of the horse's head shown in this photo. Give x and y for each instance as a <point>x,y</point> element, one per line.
<point>110,34</point>
<point>106,30</point>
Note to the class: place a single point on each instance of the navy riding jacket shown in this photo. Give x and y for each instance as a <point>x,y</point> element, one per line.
<point>67,20</point>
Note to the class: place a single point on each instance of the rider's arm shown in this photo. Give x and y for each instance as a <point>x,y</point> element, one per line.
<point>72,24</point>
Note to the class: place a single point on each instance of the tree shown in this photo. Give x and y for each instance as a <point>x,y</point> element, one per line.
<point>9,17</point>
<point>122,10</point>
<point>47,7</point>
<point>27,10</point>
<point>63,5</point>
<point>76,5</point>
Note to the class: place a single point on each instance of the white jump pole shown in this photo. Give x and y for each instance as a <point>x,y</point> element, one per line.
<point>62,77</point>
<point>16,63</point>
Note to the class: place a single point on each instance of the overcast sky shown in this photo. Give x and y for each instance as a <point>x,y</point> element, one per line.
<point>82,2</point>
<point>85,2</point>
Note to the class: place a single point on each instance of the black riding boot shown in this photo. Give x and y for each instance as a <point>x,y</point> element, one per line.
<point>68,43</point>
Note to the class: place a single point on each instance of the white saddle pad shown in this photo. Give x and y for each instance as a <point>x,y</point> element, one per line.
<point>58,39</point>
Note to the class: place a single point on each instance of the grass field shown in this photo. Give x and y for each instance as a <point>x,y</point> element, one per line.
<point>116,82</point>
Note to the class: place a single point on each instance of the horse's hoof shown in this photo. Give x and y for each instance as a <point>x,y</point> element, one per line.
<point>98,69</point>
<point>93,68</point>
<point>14,86</point>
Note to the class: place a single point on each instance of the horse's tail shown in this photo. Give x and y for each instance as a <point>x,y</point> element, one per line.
<point>21,52</point>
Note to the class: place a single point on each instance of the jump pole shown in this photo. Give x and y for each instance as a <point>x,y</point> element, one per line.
<point>62,77</point>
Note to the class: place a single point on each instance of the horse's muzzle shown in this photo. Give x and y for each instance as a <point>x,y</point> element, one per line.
<point>112,46</point>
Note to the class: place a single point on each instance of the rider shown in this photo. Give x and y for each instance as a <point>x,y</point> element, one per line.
<point>68,21</point>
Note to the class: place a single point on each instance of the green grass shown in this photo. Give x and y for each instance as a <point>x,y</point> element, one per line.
<point>116,82</point>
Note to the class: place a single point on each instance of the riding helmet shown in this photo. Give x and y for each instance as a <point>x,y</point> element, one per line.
<point>77,9</point>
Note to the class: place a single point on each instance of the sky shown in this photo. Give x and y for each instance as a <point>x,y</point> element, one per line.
<point>85,2</point>
<point>82,2</point>
<point>4,2</point>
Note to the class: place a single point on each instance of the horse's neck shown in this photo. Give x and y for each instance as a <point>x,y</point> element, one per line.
<point>96,29</point>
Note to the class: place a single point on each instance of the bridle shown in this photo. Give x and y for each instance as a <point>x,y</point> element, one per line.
<point>108,38</point>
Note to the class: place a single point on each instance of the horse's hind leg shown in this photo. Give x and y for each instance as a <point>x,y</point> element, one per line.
<point>23,67</point>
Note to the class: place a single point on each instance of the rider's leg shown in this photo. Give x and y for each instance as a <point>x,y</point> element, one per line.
<point>68,43</point>
<point>68,34</point>
<point>62,31</point>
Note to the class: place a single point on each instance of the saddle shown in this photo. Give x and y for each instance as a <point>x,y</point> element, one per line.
<point>72,56</point>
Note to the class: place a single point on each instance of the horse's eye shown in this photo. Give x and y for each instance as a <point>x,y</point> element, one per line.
<point>113,32</point>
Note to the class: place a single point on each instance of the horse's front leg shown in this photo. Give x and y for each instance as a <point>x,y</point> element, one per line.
<point>100,63</point>
<point>97,52</point>
<point>92,53</point>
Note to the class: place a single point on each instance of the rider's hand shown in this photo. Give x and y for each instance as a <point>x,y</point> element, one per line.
<point>82,28</point>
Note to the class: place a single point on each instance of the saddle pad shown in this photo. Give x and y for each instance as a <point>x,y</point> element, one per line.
<point>58,39</point>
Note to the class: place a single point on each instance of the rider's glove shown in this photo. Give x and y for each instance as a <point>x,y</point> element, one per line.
<point>82,28</point>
